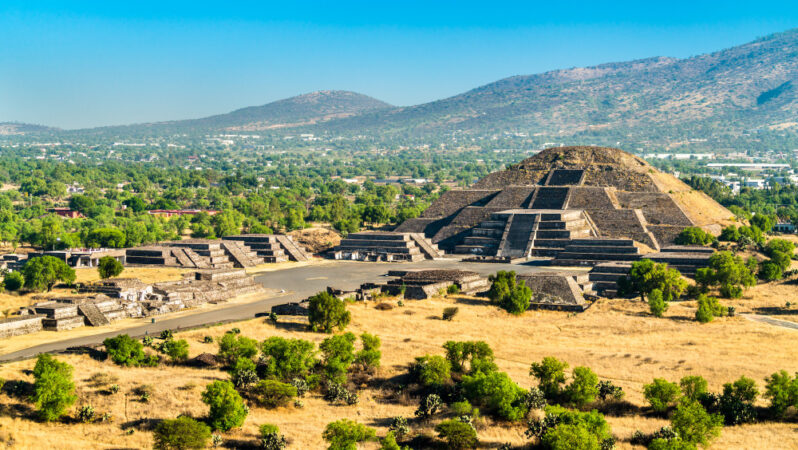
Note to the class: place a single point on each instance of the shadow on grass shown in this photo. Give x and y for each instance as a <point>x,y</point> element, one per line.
<point>775,311</point>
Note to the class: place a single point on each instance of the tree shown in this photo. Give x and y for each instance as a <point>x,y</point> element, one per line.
<point>433,370</point>
<point>646,276</point>
<point>232,347</point>
<point>770,270</point>
<point>550,373</point>
<point>693,386</point>
<point>369,357</point>
<point>13,281</point>
<point>782,390</point>
<point>109,267</point>
<point>656,303</point>
<point>694,424</point>
<point>286,359</point>
<point>181,433</point>
<point>728,271</point>
<point>344,434</point>
<point>508,293</point>
<point>457,434</point>
<point>661,394</point>
<point>497,393</point>
<point>126,351</point>
<point>41,273</point>
<point>469,356</point>
<point>53,389</point>
<point>326,313</point>
<point>106,237</point>
<point>177,350</point>
<point>227,409</point>
<point>564,429</point>
<point>338,352</point>
<point>694,236</point>
<point>583,387</point>
<point>763,222</point>
<point>709,308</point>
<point>81,203</point>
<point>272,393</point>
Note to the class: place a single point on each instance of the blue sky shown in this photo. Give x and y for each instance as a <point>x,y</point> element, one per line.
<point>83,64</point>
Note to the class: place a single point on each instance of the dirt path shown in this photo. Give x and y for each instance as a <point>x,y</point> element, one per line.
<point>771,321</point>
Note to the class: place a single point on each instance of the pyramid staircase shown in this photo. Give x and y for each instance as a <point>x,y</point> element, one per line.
<point>605,276</point>
<point>93,315</point>
<point>240,254</point>
<point>384,246</point>
<point>272,248</point>
<point>593,251</point>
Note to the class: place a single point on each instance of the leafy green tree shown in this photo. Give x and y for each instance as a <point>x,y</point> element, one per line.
<point>327,313</point>
<point>693,387</point>
<point>176,349</point>
<point>728,271</point>
<point>433,370</point>
<point>583,388</point>
<point>227,409</point>
<point>709,308</point>
<point>53,389</point>
<point>497,393</point>
<point>661,394</point>
<point>694,236</point>
<point>469,356</point>
<point>137,205</point>
<point>369,357</point>
<point>272,393</point>
<point>507,293</point>
<point>243,373</point>
<point>338,353</point>
<point>782,391</point>
<point>109,267</point>
<point>106,237</point>
<point>647,275</point>
<point>286,359</point>
<point>126,351</point>
<point>226,223</point>
<point>232,347</point>
<point>81,203</point>
<point>770,270</point>
<point>344,434</point>
<point>13,281</point>
<point>457,434</point>
<point>694,424</point>
<point>550,373</point>
<point>564,429</point>
<point>182,433</point>
<point>656,303</point>
<point>763,222</point>
<point>41,273</point>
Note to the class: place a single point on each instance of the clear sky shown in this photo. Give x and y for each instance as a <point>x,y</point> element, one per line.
<point>83,63</point>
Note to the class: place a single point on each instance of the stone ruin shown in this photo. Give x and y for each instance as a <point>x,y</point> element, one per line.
<point>561,291</point>
<point>120,298</point>
<point>423,284</point>
<point>562,201</point>
<point>272,247</point>
<point>386,246</point>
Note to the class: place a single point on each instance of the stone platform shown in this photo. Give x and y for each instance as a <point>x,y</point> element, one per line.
<point>386,246</point>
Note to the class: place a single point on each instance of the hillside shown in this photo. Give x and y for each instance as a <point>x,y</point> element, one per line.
<point>15,128</point>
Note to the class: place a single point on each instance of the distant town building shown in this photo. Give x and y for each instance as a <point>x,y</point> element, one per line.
<point>181,212</point>
<point>65,212</point>
<point>784,227</point>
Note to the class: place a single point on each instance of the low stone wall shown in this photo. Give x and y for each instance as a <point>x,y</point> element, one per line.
<point>452,201</point>
<point>17,326</point>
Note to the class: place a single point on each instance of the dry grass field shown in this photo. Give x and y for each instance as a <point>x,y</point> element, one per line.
<point>616,338</point>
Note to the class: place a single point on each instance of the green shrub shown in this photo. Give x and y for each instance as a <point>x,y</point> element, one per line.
<point>270,437</point>
<point>729,272</point>
<point>232,347</point>
<point>550,373</point>
<point>449,312</point>
<point>782,391</point>
<point>693,386</point>
<point>583,388</point>
<point>109,267</point>
<point>508,294</point>
<point>286,359</point>
<point>13,281</point>
<point>646,275</point>
<point>177,350</point>
<point>389,442</point>
<point>227,409</point>
<point>272,394</point>
<point>243,373</point>
<point>656,303</point>
<point>41,273</point>
<point>736,403</point>
<point>496,393</point>
<point>181,433</point>
<point>607,390</point>
<point>694,236</point>
<point>709,308</point>
<point>670,444</point>
<point>53,389</point>
<point>126,351</point>
<point>469,356</point>
<point>770,270</point>
<point>338,353</point>
<point>327,313</point>
<point>433,370</point>
<point>694,424</point>
<point>453,289</point>
<point>369,357</point>
<point>429,405</point>
<point>399,426</point>
<point>344,434</point>
<point>457,434</point>
<point>661,394</point>
<point>567,429</point>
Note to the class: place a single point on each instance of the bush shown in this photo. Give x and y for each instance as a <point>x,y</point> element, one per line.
<point>389,442</point>
<point>693,387</point>
<point>736,404</point>
<point>232,347</point>
<point>670,444</point>
<point>369,357</point>
<point>270,437</point>
<point>181,433</point>
<point>177,350</point>
<point>53,389</point>
<point>433,370</point>
<point>497,393</point>
<point>550,373</point>
<point>457,434</point>
<point>661,394</point>
<point>243,374</point>
<point>86,414</point>
<point>694,424</point>
<point>781,246</point>
<point>327,313</point>
<point>729,272</point>
<point>769,270</point>
<point>656,303</point>
<point>508,294</point>
<point>709,308</point>
<point>566,429</point>
<point>583,388</point>
<point>41,273</point>
<point>272,394</point>
<point>782,390</point>
<point>462,408</point>
<point>109,267</point>
<point>469,356</point>
<point>607,390</point>
<point>336,392</point>
<point>646,276</point>
<point>338,353</point>
<point>453,289</point>
<point>227,409</point>
<point>449,312</point>
<point>13,281</point>
<point>126,351</point>
<point>399,426</point>
<point>429,405</point>
<point>694,236</point>
<point>286,359</point>
<point>344,434</point>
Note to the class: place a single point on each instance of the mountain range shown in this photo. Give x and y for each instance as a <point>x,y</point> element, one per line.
<point>747,87</point>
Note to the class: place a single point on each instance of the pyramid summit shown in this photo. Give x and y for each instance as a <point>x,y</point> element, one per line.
<point>561,195</point>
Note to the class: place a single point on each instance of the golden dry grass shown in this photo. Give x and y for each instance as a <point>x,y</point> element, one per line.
<point>616,338</point>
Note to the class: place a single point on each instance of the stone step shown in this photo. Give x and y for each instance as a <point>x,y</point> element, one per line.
<point>600,249</point>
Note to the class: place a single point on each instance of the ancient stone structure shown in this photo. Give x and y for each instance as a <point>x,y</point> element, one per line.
<point>558,290</point>
<point>19,325</point>
<point>272,247</point>
<point>605,276</point>
<point>562,194</point>
<point>423,284</point>
<point>83,257</point>
<point>195,254</point>
<point>386,246</point>
<point>685,258</point>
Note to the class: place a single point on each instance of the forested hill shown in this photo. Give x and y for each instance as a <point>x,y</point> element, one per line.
<point>749,86</point>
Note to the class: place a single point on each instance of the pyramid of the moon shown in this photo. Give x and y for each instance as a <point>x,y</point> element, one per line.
<point>541,204</point>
